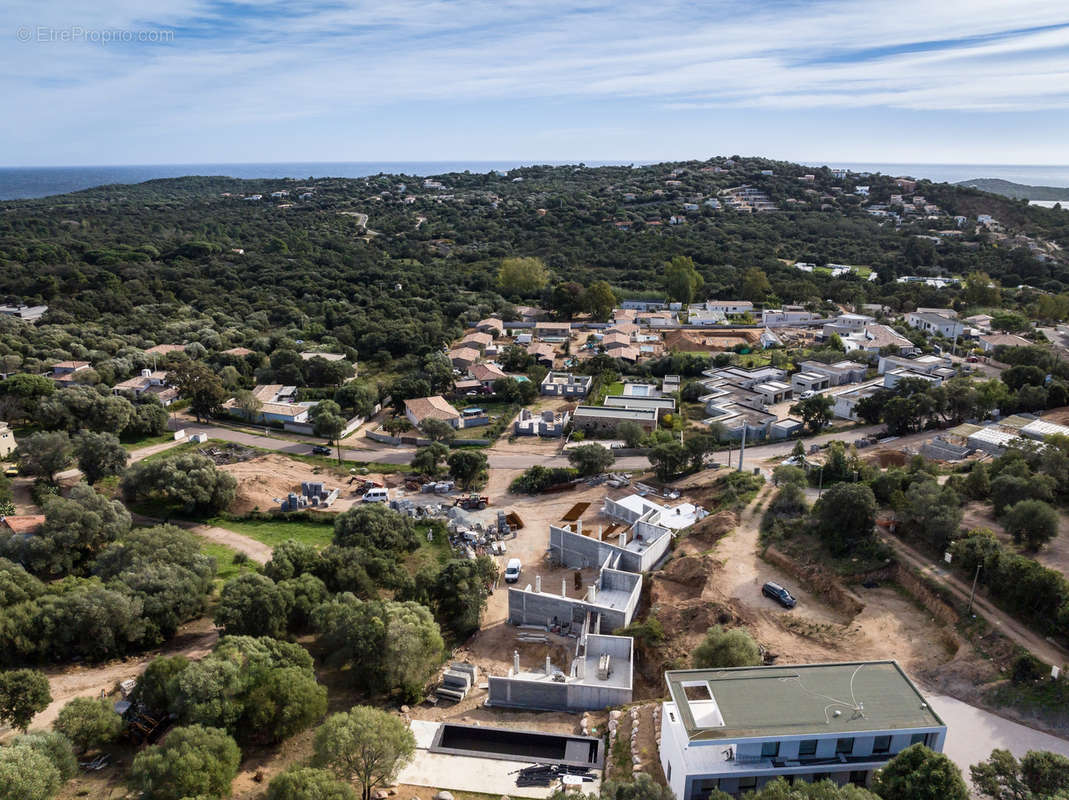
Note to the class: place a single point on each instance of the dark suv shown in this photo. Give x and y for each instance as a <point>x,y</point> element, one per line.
<point>321,450</point>
<point>779,594</point>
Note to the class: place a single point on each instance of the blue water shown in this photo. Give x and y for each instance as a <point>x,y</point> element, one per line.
<point>24,182</point>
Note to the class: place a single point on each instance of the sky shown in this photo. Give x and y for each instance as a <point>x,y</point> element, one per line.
<point>210,81</point>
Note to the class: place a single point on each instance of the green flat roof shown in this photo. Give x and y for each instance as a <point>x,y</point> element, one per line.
<point>798,699</point>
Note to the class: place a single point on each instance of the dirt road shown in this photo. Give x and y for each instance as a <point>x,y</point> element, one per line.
<point>1000,620</point>
<point>194,640</point>
<point>257,551</point>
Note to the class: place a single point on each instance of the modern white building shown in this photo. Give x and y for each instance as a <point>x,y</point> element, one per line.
<point>931,322</point>
<point>737,729</point>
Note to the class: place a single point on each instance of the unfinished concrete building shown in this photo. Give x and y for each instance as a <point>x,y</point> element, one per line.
<point>607,604</point>
<point>600,676</point>
<point>634,549</point>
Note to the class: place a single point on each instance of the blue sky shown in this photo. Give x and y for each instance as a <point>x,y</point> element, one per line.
<point>957,81</point>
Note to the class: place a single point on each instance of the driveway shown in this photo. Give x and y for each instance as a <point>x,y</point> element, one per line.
<point>973,733</point>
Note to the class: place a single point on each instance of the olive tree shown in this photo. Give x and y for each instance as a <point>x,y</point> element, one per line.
<point>193,761</point>
<point>88,722</point>
<point>365,745</point>
<point>726,648</point>
<point>23,693</point>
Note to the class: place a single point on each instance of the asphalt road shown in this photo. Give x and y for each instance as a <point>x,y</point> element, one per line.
<point>755,455</point>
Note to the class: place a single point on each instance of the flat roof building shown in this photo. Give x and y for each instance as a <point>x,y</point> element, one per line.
<point>737,729</point>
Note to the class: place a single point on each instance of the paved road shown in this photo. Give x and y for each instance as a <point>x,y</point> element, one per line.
<point>755,454</point>
<point>1001,621</point>
<point>973,733</point>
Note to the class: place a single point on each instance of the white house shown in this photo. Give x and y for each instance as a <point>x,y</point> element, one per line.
<point>737,729</point>
<point>930,322</point>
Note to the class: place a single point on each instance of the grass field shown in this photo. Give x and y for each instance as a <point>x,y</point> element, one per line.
<point>148,441</point>
<point>274,532</point>
<point>225,568</point>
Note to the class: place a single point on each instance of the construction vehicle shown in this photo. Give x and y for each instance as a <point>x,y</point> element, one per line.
<point>472,502</point>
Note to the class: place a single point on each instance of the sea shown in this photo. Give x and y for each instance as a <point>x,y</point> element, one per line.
<point>26,182</point>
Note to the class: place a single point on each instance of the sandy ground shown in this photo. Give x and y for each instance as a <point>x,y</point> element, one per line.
<point>194,640</point>
<point>1055,554</point>
<point>264,479</point>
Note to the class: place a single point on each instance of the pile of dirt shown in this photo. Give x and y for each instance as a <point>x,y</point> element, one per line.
<point>266,478</point>
<point>704,534</point>
<point>691,572</point>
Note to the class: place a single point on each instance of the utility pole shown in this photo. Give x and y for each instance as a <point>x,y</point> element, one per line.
<point>972,593</point>
<point>742,447</point>
<point>820,490</point>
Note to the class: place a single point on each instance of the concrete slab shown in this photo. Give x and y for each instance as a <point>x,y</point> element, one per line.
<point>468,774</point>
<point>973,733</point>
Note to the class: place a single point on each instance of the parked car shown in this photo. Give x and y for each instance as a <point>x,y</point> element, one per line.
<point>11,471</point>
<point>973,359</point>
<point>512,570</point>
<point>321,450</point>
<point>779,594</point>
<point>806,394</point>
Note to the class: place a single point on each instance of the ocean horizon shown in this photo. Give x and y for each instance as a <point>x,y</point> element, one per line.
<point>20,183</point>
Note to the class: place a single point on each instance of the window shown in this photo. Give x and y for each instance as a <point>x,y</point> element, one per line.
<point>769,749</point>
<point>918,738</point>
<point>807,748</point>
<point>844,746</point>
<point>881,744</point>
<point>748,784</point>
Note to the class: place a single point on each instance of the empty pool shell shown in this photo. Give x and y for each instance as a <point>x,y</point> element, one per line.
<point>517,745</point>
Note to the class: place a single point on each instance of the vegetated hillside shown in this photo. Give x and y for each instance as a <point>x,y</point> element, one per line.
<point>1018,191</point>
<point>189,259</point>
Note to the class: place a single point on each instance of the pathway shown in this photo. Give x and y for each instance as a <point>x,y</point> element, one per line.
<point>256,550</point>
<point>1007,625</point>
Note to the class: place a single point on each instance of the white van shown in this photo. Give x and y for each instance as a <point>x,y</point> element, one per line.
<point>512,570</point>
<point>376,496</point>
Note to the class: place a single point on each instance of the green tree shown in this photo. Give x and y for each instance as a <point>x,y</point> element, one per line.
<point>599,300</point>
<point>27,774</point>
<point>88,722</point>
<point>365,745</point>
<point>75,530</point>
<point>188,479</point>
<point>99,455</point>
<point>357,397</point>
<point>55,747</point>
<point>373,526</point>
<point>726,648</point>
<point>1040,775</point>
<point>199,384</point>
<point>438,430</point>
<point>917,773</point>
<point>978,481</point>
<point>755,285</point>
<point>283,702</point>
<point>698,447</point>
<point>328,423</point>
<point>668,459</point>
<point>631,433</point>
<point>193,761</point>
<point>460,591</point>
<point>467,468</point>
<point>308,783</point>
<point>248,404</point>
<point>23,693</point>
<point>845,517</point>
<point>591,459</point>
<point>252,605</point>
<point>523,277</point>
<point>815,411</point>
<point>1031,522</point>
<point>787,473</point>
<point>428,459</point>
<point>931,512</point>
<point>681,280</point>
<point>45,453</point>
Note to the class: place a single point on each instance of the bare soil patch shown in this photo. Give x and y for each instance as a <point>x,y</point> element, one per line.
<point>264,479</point>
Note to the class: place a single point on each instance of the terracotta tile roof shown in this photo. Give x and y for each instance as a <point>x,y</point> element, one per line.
<point>485,372</point>
<point>24,523</point>
<point>436,407</point>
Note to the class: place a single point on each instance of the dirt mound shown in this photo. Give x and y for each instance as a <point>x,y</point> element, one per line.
<point>696,616</point>
<point>690,571</point>
<point>704,534</point>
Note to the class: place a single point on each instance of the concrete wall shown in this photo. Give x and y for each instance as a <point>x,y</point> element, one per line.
<point>539,608</point>
<point>576,551</point>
